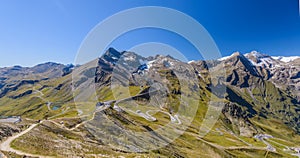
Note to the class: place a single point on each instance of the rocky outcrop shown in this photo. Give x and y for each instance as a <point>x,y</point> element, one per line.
<point>106,64</point>
<point>237,118</point>
<point>7,130</point>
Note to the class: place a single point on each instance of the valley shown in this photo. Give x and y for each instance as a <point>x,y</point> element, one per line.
<point>145,107</point>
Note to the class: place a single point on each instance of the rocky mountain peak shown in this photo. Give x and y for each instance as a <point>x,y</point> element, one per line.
<point>256,56</point>
<point>239,62</point>
<point>259,59</point>
<point>235,54</point>
<point>112,55</point>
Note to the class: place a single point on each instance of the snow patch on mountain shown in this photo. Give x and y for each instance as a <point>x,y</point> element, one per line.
<point>224,58</point>
<point>129,58</point>
<point>192,61</point>
<point>150,63</point>
<point>228,57</point>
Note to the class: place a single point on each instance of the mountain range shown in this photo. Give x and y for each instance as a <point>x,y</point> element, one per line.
<point>259,116</point>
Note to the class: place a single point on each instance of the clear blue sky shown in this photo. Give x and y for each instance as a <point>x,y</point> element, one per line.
<point>36,31</point>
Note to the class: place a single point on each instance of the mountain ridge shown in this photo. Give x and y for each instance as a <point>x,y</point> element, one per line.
<point>280,57</point>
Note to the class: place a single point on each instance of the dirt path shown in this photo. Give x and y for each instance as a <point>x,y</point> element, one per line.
<point>5,146</point>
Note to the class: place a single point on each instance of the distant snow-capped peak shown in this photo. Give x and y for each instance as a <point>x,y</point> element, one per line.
<point>286,59</point>
<point>256,55</point>
<point>260,59</point>
<point>260,56</point>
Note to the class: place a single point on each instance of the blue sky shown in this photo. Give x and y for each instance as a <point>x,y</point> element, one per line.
<point>36,31</point>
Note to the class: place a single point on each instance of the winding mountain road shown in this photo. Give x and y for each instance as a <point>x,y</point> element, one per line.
<point>5,145</point>
<point>41,97</point>
<point>174,119</point>
<point>262,138</point>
